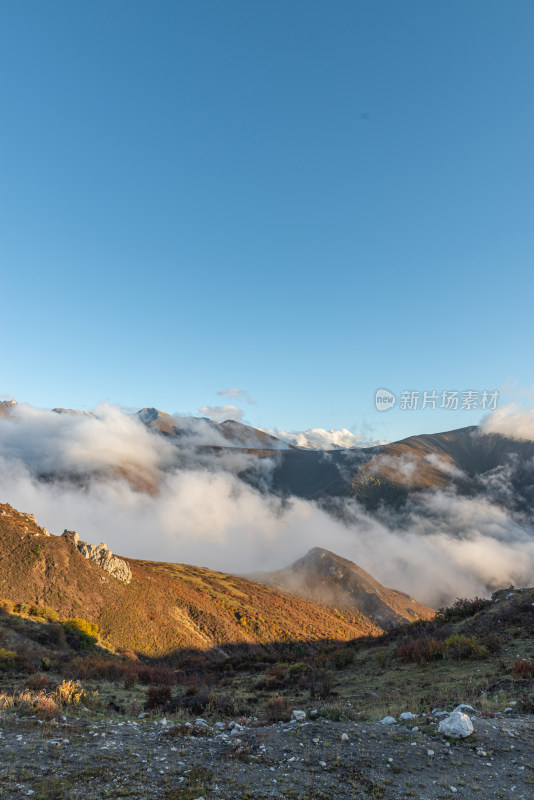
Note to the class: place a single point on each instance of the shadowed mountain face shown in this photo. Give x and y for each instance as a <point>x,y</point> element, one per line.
<point>465,459</point>
<point>324,577</point>
<point>166,607</point>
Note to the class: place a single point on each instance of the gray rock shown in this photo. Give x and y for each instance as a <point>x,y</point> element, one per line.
<point>457,725</point>
<point>407,715</point>
<point>388,721</point>
<point>299,716</point>
<point>100,555</point>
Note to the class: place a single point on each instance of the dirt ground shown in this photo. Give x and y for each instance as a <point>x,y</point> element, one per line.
<point>72,758</point>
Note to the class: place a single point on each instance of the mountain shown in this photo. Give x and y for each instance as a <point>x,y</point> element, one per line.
<point>208,432</point>
<point>165,607</point>
<point>6,406</point>
<point>466,459</point>
<point>324,577</point>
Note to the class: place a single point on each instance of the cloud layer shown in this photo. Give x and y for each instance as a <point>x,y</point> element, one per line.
<point>114,480</point>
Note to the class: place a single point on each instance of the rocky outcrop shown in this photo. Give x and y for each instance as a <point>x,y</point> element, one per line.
<point>102,556</point>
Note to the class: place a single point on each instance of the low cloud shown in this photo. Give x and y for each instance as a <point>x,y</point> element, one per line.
<point>512,421</point>
<point>322,439</point>
<point>222,413</point>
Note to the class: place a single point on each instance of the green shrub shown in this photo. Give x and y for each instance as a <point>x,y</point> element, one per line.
<point>462,647</point>
<point>461,609</point>
<point>8,659</point>
<point>343,658</point>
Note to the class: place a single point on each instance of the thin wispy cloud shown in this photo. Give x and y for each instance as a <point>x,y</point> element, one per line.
<point>237,394</point>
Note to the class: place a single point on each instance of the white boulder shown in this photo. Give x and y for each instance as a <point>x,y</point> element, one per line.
<point>457,725</point>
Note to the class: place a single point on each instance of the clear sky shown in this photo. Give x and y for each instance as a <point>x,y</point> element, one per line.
<point>304,200</point>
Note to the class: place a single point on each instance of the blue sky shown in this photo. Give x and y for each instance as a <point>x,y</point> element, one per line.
<point>304,200</point>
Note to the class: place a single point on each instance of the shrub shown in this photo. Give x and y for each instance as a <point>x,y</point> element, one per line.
<point>131,679</point>
<point>43,612</point>
<point>158,697</point>
<point>69,693</point>
<point>461,609</point>
<point>80,633</point>
<point>6,606</point>
<point>523,668</point>
<point>421,650</point>
<point>157,674</point>
<point>46,707</point>
<point>38,682</point>
<point>343,658</point>
<point>8,659</point>
<point>276,710</point>
<point>462,647</point>
<point>493,642</point>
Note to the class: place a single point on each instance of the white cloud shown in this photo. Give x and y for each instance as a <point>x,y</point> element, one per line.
<point>322,439</point>
<point>222,413</point>
<point>512,421</point>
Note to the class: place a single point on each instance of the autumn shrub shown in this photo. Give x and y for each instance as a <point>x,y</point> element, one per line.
<point>6,606</point>
<point>156,674</point>
<point>157,697</point>
<point>131,678</point>
<point>523,668</point>
<point>276,710</point>
<point>81,634</point>
<point>38,682</point>
<point>462,647</point>
<point>421,650</point>
<point>46,707</point>
<point>69,693</point>
<point>43,612</point>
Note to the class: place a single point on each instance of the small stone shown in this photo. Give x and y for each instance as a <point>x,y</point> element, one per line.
<point>322,763</point>
<point>407,715</point>
<point>299,716</point>
<point>344,737</point>
<point>388,721</point>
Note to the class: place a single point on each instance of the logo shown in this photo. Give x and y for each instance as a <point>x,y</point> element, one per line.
<point>384,400</point>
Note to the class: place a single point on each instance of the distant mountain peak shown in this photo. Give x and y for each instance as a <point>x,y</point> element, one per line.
<point>147,415</point>
<point>325,577</point>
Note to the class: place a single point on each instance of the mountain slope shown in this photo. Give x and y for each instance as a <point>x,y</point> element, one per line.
<point>166,606</point>
<point>324,577</point>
